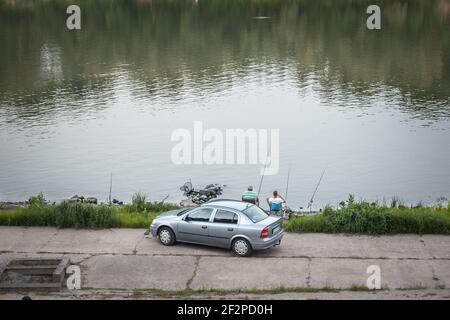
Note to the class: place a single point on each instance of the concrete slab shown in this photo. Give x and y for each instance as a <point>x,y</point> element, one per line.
<point>20,239</point>
<point>394,246</point>
<point>152,246</point>
<point>253,273</point>
<point>95,241</point>
<point>404,274</point>
<point>442,272</point>
<point>315,245</point>
<point>125,259</point>
<point>137,272</point>
<point>348,273</point>
<point>437,245</point>
<point>318,245</point>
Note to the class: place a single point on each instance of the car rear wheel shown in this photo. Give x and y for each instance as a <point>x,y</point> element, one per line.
<point>242,247</point>
<point>166,236</point>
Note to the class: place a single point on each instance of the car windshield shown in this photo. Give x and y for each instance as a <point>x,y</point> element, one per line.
<point>255,213</point>
<point>184,211</point>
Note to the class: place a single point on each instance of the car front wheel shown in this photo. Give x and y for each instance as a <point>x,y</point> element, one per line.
<point>166,236</point>
<point>242,247</point>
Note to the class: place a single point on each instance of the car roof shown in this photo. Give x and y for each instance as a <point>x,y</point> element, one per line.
<point>233,204</point>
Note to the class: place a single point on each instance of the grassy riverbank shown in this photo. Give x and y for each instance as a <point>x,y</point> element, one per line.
<point>138,214</point>
<point>352,217</point>
<point>362,217</point>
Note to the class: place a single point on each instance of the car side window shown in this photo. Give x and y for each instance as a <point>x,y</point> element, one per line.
<point>224,216</point>
<point>201,214</point>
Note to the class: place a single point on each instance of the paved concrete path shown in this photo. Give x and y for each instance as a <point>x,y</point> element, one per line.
<point>126,263</point>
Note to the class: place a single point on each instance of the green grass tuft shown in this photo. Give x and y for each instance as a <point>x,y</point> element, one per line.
<point>350,217</point>
<point>371,218</point>
<point>139,204</point>
<point>82,215</point>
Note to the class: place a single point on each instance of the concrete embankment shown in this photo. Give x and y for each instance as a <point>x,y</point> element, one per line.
<point>124,263</point>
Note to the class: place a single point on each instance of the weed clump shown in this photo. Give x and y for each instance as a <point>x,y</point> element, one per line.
<point>139,214</point>
<point>362,217</point>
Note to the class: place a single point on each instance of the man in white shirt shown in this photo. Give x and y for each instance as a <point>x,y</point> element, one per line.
<point>275,203</point>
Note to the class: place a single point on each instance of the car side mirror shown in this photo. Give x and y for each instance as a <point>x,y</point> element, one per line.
<point>186,218</point>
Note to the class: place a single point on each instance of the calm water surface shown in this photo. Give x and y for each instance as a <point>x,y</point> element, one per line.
<point>372,107</point>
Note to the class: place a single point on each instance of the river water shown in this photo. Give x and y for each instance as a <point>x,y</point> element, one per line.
<point>371,107</point>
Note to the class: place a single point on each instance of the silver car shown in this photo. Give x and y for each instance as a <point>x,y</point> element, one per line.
<point>236,225</point>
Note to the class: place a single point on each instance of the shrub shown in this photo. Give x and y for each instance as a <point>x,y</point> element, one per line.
<point>82,215</point>
<point>135,220</point>
<point>33,216</point>
<point>371,218</point>
<point>37,201</point>
<point>315,223</point>
<point>138,201</point>
<point>139,204</point>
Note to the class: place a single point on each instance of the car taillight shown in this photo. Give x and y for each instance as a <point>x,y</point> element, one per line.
<point>264,233</point>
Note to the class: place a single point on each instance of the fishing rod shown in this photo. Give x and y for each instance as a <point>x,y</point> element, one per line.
<point>315,190</point>
<point>287,185</point>
<point>262,177</point>
<point>110,188</point>
<point>286,209</point>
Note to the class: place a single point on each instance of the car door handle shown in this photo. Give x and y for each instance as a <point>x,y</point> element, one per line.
<point>230,229</point>
<point>204,227</point>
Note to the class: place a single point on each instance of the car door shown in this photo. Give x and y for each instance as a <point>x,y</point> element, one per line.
<point>194,226</point>
<point>223,227</point>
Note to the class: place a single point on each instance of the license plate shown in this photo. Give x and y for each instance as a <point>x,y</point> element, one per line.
<point>276,229</point>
